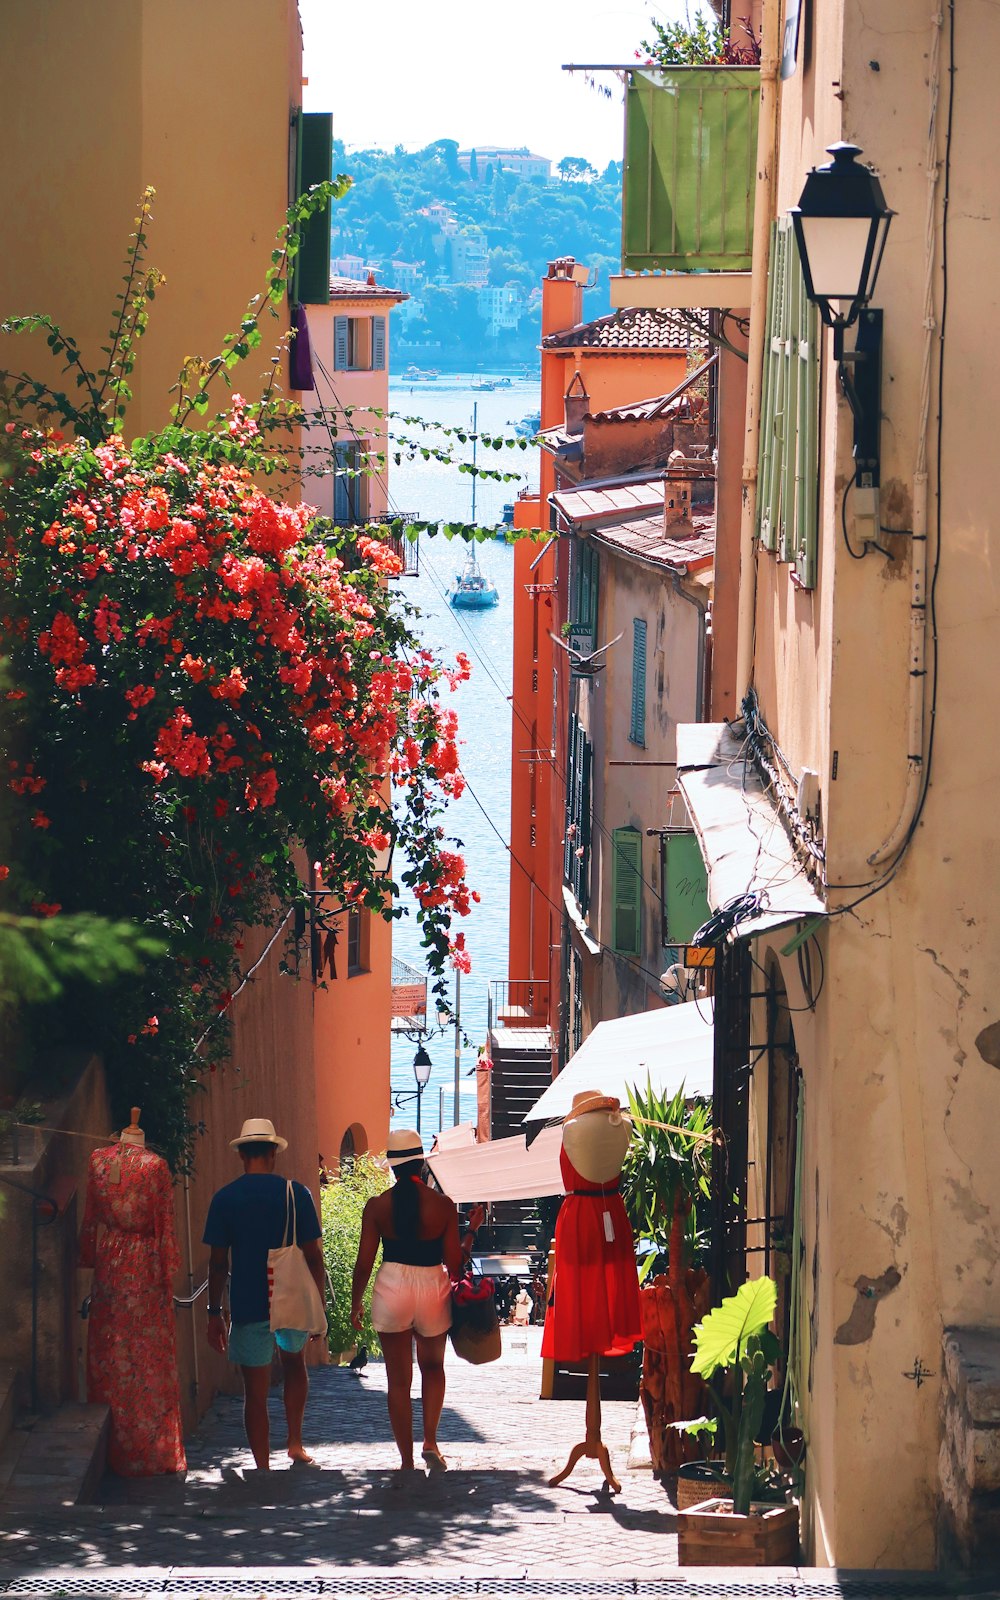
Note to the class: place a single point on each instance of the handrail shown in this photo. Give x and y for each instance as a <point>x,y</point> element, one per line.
<point>181,1300</point>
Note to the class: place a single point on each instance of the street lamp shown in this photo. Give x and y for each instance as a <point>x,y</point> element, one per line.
<point>422,1072</point>
<point>841,224</point>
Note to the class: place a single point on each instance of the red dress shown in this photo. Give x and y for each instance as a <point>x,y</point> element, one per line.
<point>594,1307</point>
<point>131,1345</point>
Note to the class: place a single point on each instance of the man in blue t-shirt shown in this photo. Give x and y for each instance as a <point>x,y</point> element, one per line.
<point>245,1220</point>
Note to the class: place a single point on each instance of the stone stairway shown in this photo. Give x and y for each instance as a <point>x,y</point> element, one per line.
<point>45,1461</point>
<point>522,1070</point>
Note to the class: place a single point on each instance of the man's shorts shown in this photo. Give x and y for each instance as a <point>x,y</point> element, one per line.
<point>251,1344</point>
<point>411,1298</point>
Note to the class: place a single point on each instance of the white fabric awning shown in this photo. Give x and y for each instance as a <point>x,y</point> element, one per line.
<point>742,838</point>
<point>671,1046</point>
<point>500,1169</point>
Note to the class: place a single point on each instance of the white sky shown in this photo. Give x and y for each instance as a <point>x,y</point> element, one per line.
<point>411,71</point>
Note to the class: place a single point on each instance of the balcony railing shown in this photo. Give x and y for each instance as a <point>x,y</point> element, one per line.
<point>690,168</point>
<point>518,1003</point>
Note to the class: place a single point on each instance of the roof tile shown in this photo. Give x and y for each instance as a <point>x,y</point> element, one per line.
<point>630,328</point>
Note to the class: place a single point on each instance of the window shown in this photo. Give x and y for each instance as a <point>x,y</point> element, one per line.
<point>350,484</point>
<point>576,857</point>
<point>583,613</point>
<point>357,941</point>
<point>626,891</point>
<point>788,468</point>
<point>359,344</point>
<point>637,726</point>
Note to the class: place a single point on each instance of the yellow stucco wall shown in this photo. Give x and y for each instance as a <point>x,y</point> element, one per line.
<point>104,97</point>
<point>900,1175</point>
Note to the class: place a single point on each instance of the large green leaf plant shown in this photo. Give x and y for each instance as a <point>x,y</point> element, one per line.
<point>735,1338</point>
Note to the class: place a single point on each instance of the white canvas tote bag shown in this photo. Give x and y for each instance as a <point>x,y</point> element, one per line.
<point>295,1300</point>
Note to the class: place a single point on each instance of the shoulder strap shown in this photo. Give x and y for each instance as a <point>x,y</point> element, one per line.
<point>290,1206</point>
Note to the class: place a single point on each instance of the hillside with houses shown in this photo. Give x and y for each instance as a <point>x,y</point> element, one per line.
<point>466,234</point>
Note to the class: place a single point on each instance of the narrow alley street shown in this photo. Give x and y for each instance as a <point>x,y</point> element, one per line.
<point>348,1526</point>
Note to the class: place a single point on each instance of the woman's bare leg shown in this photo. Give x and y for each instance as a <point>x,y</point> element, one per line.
<point>430,1359</point>
<point>398,1351</point>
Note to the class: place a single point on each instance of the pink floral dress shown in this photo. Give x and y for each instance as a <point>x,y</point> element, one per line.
<point>131,1347</point>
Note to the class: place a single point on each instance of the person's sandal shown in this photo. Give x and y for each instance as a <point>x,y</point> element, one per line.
<point>435,1461</point>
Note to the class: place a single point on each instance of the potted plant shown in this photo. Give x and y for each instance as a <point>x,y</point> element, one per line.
<point>735,1339</point>
<point>664,1178</point>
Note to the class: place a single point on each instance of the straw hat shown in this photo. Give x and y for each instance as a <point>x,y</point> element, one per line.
<point>593,1100</point>
<point>258,1130</point>
<point>402,1146</point>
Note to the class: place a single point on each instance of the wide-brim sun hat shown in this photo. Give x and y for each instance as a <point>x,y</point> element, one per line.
<point>402,1146</point>
<point>258,1130</point>
<point>588,1100</point>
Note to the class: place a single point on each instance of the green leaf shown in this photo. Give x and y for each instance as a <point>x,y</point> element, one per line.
<point>722,1334</point>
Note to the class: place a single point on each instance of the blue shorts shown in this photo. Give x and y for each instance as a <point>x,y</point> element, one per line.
<point>251,1344</point>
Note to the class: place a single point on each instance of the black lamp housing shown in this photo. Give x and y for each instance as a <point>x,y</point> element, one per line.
<point>422,1067</point>
<point>841,225</point>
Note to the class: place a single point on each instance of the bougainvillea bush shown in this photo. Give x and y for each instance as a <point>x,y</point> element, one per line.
<point>211,689</point>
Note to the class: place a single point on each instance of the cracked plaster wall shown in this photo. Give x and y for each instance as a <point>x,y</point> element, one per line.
<point>901,1189</point>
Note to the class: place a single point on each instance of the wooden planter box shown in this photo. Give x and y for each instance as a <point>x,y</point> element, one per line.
<point>710,1535</point>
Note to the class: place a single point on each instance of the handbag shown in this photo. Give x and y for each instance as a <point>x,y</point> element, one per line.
<point>475,1326</point>
<point>295,1300</point>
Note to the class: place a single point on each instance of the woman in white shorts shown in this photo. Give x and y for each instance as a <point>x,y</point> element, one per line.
<point>417,1228</point>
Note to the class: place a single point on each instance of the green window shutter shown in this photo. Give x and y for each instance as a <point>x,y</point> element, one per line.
<point>315,165</point>
<point>583,862</point>
<point>685,888</point>
<point>788,463</point>
<point>340,344</point>
<point>637,729</point>
<point>626,890</point>
<point>570,840</point>
<point>378,344</point>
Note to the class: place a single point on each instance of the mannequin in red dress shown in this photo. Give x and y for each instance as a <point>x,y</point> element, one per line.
<point>131,1344</point>
<point>594,1307</point>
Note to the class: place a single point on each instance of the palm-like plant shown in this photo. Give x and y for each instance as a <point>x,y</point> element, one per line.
<point>736,1337</point>
<point>666,1173</point>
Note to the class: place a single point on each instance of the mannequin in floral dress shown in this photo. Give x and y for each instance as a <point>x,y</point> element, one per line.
<point>131,1347</point>
<point>594,1306</point>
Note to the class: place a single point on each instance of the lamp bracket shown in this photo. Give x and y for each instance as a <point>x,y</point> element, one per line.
<point>860,373</point>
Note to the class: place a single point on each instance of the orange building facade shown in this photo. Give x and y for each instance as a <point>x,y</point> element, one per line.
<point>614,360</point>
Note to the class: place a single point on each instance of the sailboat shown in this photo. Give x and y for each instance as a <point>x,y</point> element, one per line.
<point>472,589</point>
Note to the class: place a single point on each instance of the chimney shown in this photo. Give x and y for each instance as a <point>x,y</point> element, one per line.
<point>677,496</point>
<point>577,403</point>
<point>562,295</point>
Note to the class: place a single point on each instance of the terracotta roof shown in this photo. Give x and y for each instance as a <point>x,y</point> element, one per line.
<point>354,289</point>
<point>645,540</point>
<point>584,505</point>
<point>631,328</point>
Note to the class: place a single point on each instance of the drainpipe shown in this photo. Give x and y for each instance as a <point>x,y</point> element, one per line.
<point>894,843</point>
<point>767,141</point>
<point>699,692</point>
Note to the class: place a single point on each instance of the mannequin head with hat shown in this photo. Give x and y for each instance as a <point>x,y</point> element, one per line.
<point>596,1135</point>
<point>257,1144</point>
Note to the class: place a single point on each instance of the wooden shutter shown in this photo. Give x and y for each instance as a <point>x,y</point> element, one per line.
<point>378,344</point>
<point>637,730</point>
<point>570,838</point>
<point>788,464</point>
<point>626,890</point>
<point>341,487</point>
<point>583,862</point>
<point>340,344</point>
<point>312,274</point>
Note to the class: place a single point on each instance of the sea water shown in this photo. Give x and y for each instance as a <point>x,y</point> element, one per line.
<point>481,818</point>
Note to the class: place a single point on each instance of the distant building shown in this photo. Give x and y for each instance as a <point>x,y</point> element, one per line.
<point>501,308</point>
<point>521,162</point>
<point>405,275</point>
<point>354,267</point>
<point>469,259</point>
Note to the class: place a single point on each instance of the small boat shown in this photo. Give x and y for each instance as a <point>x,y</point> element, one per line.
<point>472,589</point>
<point>506,523</point>
<point>529,425</point>
<point>482,384</point>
